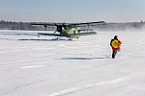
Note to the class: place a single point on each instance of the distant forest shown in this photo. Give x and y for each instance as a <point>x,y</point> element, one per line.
<point>9,25</point>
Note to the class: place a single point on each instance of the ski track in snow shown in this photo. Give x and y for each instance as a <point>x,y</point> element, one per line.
<point>72,90</point>
<point>79,88</point>
<point>28,67</point>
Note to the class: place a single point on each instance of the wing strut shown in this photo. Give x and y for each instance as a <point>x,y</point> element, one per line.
<point>45,27</point>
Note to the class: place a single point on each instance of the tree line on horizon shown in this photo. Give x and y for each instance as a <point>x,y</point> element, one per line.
<point>9,25</point>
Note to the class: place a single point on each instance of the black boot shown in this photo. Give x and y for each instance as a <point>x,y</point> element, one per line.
<point>114,53</point>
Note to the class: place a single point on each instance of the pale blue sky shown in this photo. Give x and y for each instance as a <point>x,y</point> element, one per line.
<point>72,10</point>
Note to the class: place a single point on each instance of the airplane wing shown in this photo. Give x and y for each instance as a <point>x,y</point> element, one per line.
<point>70,24</point>
<point>86,24</point>
<point>69,36</point>
<point>44,24</point>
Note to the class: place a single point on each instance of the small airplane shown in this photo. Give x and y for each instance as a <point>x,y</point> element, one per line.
<point>69,30</point>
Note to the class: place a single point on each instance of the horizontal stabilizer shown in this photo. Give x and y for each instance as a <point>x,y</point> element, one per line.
<point>88,33</point>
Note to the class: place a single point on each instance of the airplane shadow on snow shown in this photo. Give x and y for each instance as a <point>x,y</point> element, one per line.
<point>45,39</point>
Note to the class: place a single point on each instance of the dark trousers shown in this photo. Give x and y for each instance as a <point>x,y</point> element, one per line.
<point>114,53</point>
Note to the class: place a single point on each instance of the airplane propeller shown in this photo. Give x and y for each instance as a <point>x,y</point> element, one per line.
<point>59,28</point>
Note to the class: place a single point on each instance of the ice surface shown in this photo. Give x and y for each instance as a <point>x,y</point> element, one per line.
<point>43,66</point>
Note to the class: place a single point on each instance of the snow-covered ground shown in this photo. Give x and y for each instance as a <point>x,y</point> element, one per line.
<point>32,66</point>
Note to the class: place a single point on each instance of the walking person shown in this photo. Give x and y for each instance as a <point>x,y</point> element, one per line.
<point>115,44</point>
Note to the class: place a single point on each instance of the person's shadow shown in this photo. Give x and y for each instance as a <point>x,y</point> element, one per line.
<point>84,58</point>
